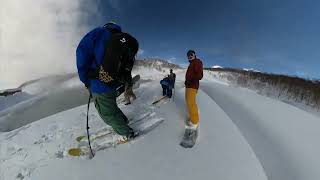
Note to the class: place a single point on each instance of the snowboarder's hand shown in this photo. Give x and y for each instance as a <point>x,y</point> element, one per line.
<point>189,82</point>
<point>131,95</point>
<point>87,85</point>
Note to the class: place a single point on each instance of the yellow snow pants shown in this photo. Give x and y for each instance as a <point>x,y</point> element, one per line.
<point>192,106</point>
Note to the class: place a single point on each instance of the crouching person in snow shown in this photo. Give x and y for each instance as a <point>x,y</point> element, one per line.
<point>105,57</point>
<point>128,94</point>
<point>193,76</point>
<point>167,85</point>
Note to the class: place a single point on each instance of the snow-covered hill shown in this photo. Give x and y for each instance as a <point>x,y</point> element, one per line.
<point>243,135</point>
<point>47,96</point>
<point>299,92</point>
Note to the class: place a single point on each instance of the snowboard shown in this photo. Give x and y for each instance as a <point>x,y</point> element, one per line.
<point>107,131</point>
<point>189,138</point>
<point>105,139</point>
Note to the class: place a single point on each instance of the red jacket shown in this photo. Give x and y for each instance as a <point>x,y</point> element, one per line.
<point>194,74</point>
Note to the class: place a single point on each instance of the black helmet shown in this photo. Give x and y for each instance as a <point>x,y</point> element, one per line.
<point>171,70</point>
<point>191,52</point>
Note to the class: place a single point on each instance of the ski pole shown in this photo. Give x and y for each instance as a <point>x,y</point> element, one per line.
<point>88,135</point>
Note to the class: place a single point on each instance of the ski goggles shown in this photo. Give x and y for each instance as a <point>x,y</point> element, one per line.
<point>190,56</point>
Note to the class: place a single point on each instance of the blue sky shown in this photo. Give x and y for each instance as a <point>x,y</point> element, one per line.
<point>279,36</point>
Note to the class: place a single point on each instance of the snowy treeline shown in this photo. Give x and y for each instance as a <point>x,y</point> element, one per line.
<point>286,88</point>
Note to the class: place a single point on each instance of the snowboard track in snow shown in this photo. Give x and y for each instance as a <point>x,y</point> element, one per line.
<point>275,161</point>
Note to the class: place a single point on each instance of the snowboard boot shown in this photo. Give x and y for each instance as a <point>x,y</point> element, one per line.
<point>127,138</point>
<point>190,136</point>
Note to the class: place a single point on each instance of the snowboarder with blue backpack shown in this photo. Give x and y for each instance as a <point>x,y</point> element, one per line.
<point>105,57</point>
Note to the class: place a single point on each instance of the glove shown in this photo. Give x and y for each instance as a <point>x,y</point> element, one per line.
<point>87,85</point>
<point>128,94</point>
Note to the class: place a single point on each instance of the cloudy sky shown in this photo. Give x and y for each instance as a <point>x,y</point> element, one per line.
<point>280,36</point>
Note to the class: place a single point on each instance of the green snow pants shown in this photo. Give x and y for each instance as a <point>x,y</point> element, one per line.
<point>106,105</point>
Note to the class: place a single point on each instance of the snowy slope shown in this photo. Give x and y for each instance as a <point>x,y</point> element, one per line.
<point>47,96</point>
<point>242,136</point>
<point>157,155</point>
<point>40,99</point>
<point>267,123</point>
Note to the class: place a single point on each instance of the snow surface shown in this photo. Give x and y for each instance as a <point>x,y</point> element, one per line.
<point>242,136</point>
<point>41,99</point>
<point>282,136</point>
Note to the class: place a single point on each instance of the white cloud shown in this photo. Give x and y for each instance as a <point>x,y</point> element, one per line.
<point>140,52</point>
<point>250,69</point>
<point>216,66</point>
<point>39,37</point>
<point>172,59</point>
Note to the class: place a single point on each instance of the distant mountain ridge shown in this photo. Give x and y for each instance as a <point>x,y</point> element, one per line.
<point>156,63</point>
<point>284,87</point>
